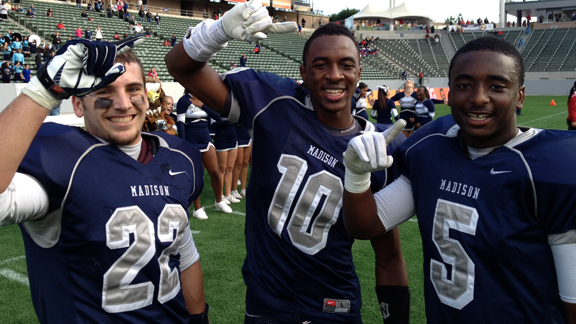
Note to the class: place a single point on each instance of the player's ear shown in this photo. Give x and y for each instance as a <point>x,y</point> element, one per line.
<point>78,106</point>
<point>359,74</point>
<point>303,72</point>
<point>449,103</point>
<point>521,96</point>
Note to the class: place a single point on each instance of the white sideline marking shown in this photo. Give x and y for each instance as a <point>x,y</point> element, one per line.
<point>14,276</point>
<point>413,220</point>
<point>14,259</point>
<point>195,232</point>
<point>537,119</point>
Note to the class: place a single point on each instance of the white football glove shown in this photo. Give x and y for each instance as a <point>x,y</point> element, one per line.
<point>80,67</point>
<point>247,21</point>
<point>366,153</point>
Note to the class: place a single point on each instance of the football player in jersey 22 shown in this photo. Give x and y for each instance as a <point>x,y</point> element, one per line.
<point>298,267</point>
<point>103,212</point>
<point>497,214</point>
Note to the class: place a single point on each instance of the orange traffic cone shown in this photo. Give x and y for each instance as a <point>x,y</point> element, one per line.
<point>552,103</point>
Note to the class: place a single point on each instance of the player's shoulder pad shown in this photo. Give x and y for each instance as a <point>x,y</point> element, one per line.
<point>53,154</point>
<point>443,126</point>
<point>550,139</point>
<point>251,77</point>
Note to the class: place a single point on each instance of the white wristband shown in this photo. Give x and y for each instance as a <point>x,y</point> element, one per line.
<point>356,182</point>
<point>37,92</point>
<point>202,42</point>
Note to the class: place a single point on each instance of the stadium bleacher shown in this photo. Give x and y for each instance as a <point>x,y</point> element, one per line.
<point>543,50</point>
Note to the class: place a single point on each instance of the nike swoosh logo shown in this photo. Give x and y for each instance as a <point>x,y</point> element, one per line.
<point>498,172</point>
<point>175,173</point>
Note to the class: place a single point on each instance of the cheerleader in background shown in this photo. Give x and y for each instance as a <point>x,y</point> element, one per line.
<point>242,161</point>
<point>192,124</point>
<point>384,108</point>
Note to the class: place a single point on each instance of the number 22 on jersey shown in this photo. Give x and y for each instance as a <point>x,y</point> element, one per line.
<point>118,294</point>
<point>309,238</point>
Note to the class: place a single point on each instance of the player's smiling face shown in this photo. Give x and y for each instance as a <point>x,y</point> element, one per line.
<point>331,73</point>
<point>116,112</point>
<point>484,95</point>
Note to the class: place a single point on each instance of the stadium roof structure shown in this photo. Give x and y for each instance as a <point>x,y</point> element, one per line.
<point>381,10</point>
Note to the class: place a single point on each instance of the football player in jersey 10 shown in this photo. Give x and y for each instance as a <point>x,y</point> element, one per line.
<point>298,267</point>
<point>103,212</point>
<point>495,201</point>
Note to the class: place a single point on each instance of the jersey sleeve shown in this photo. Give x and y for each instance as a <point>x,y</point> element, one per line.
<point>211,113</point>
<point>251,91</point>
<point>25,199</point>
<point>395,203</point>
<point>390,104</point>
<point>397,96</point>
<point>188,252</point>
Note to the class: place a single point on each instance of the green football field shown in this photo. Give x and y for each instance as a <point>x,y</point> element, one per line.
<point>220,241</point>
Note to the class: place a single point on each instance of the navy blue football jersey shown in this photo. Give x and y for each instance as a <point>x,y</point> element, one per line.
<point>107,251</point>
<point>485,223</point>
<point>299,258</point>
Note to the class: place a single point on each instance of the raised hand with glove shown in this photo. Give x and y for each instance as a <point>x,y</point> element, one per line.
<point>247,21</point>
<point>366,153</point>
<point>81,66</point>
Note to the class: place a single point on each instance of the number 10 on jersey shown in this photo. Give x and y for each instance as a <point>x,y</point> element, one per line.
<point>309,238</point>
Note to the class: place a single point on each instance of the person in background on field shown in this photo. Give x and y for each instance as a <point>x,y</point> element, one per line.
<point>359,108</point>
<point>572,108</point>
<point>192,122</point>
<point>407,100</point>
<point>384,108</point>
<point>425,109</point>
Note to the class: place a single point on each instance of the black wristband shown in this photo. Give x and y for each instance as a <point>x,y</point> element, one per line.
<point>201,318</point>
<point>394,303</point>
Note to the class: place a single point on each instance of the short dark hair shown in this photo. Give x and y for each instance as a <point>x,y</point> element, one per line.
<point>130,57</point>
<point>362,85</point>
<point>496,45</point>
<point>327,30</point>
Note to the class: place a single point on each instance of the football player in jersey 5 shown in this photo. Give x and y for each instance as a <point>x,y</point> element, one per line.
<point>103,212</point>
<point>298,267</point>
<point>498,215</point>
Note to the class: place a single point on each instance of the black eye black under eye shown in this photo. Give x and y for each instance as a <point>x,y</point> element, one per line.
<point>102,103</point>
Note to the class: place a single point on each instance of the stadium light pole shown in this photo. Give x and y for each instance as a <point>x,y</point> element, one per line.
<point>502,22</point>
